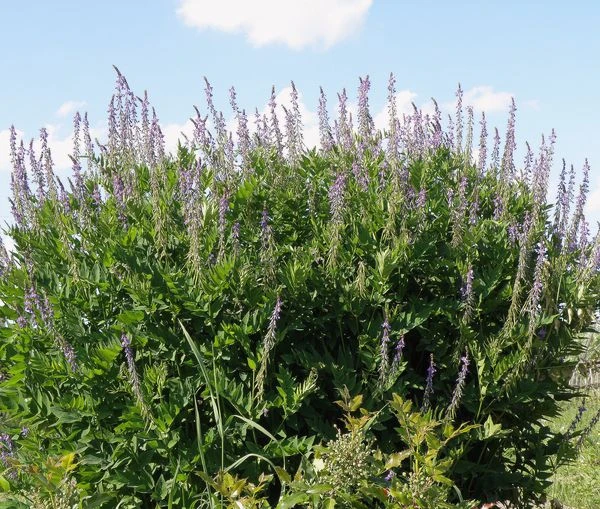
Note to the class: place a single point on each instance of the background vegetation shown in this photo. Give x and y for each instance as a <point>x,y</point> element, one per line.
<point>387,321</point>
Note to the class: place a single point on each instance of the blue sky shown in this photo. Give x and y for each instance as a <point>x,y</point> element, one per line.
<point>58,56</point>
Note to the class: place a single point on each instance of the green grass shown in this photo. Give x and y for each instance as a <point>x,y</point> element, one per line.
<point>577,485</point>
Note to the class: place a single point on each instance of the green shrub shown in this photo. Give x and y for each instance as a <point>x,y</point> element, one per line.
<point>173,321</point>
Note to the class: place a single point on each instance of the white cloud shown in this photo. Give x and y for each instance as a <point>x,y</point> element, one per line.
<point>294,23</point>
<point>69,107</point>
<point>484,98</point>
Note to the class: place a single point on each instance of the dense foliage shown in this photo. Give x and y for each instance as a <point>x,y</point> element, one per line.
<point>371,323</point>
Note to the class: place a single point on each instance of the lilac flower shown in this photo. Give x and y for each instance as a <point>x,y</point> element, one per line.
<point>528,164</point>
<point>389,476</point>
<point>496,151</point>
<point>537,287</point>
<point>268,344</point>
<point>96,196</point>
<point>133,374</point>
<point>24,432</point>
<point>384,364</point>
<point>419,143</point>
<point>542,172</point>
<point>296,118</point>
<point>7,450</point>
<point>508,166</point>
<point>466,292</point>
<point>38,176</point>
<point>157,141</point>
<point>422,199</point>
<point>459,388</point>
<point>47,313</point>
<point>344,126</point>
<point>469,142</point>
<point>113,137</point>
<point>336,197</point>
<point>266,240</point>
<point>398,349</point>
<point>18,180</point>
<point>578,213</point>
<point>235,235</point>
<point>365,121</point>
<point>47,163</point>
<point>498,206</point>
<point>394,138</point>
<point>513,233</point>
<point>69,354</point>
<point>264,223</point>
<point>202,137</point>
<point>482,144</point>
<point>436,140</point>
<point>261,125</point>
<point>561,201</point>
<point>459,122</point>
<point>218,119</point>
<point>275,132</point>
<point>64,197</point>
<point>76,135</point>
<point>30,302</point>
<point>360,175</point>
<point>431,370</point>
<point>79,185</point>
<point>326,138</point>
<point>449,141</point>
<point>243,135</point>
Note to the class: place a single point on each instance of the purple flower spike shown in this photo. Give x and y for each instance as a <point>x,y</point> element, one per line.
<point>268,344</point>
<point>431,371</point>
<point>365,121</point>
<point>508,166</point>
<point>460,385</point>
<point>398,349</point>
<point>422,199</point>
<point>459,121</point>
<point>384,364</point>
<point>326,138</point>
<point>336,197</point>
<point>537,287</point>
<point>133,374</point>
<point>275,133</point>
<point>482,144</point>
<point>69,353</point>
<point>466,292</point>
<point>344,125</point>
<point>496,151</point>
